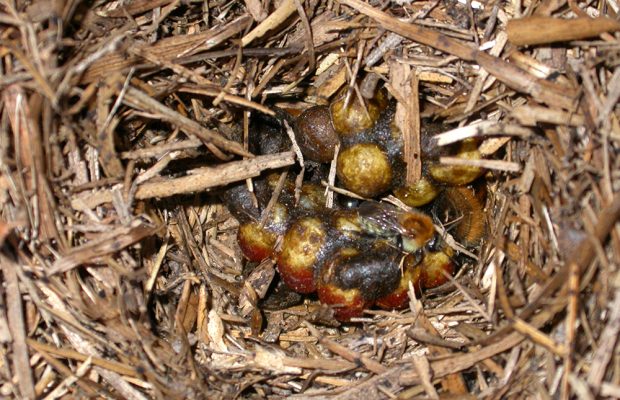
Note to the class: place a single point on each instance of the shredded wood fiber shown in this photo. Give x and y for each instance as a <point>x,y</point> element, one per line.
<point>122,122</point>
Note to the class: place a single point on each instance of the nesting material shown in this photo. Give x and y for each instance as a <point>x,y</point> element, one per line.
<point>121,123</point>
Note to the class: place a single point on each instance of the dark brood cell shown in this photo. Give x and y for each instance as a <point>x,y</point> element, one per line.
<point>375,273</point>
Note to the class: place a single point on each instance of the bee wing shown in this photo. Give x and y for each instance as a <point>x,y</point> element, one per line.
<point>381,219</point>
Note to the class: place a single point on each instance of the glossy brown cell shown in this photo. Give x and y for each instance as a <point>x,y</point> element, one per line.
<point>356,117</point>
<point>399,297</point>
<point>301,247</point>
<point>347,223</point>
<point>365,170</point>
<point>256,242</point>
<point>346,302</point>
<point>458,174</point>
<point>312,197</point>
<point>315,134</point>
<point>418,193</point>
<point>278,218</point>
<point>436,267</point>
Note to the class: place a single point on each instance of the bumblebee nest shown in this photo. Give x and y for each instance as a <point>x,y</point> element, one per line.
<point>121,276</point>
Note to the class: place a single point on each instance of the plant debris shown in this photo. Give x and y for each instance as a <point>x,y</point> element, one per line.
<point>122,122</point>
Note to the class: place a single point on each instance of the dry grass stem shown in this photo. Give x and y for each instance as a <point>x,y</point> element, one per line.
<point>126,127</point>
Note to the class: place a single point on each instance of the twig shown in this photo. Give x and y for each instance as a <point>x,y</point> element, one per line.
<point>500,165</point>
<point>143,102</point>
<point>606,344</point>
<point>168,49</point>
<point>275,19</point>
<point>551,93</point>
<point>482,129</point>
<point>17,327</point>
<point>344,352</point>
<point>331,178</point>
<point>196,181</point>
